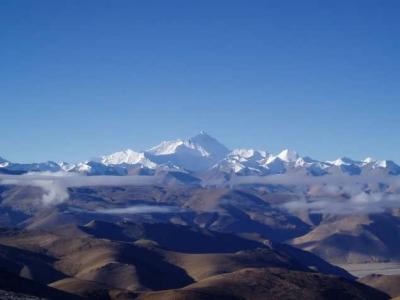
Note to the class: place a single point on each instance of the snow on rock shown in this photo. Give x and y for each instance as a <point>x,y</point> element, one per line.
<point>129,157</point>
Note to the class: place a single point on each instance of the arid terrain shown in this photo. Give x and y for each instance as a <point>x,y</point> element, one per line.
<point>205,243</point>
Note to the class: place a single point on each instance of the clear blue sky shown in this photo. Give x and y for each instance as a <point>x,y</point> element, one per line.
<point>84,78</point>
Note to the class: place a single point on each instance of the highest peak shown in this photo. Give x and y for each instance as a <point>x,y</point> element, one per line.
<point>209,143</point>
<point>202,136</point>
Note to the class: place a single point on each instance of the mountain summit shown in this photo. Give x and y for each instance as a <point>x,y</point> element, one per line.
<point>197,153</point>
<point>202,144</point>
<point>212,146</point>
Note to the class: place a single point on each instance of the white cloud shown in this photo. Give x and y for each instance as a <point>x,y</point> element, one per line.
<point>55,185</point>
<point>335,194</point>
<point>139,209</point>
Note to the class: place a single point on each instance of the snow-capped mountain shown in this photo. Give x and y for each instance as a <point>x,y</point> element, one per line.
<point>202,154</point>
<point>346,165</point>
<point>195,154</point>
<point>388,166</point>
<point>202,145</point>
<point>18,168</point>
<point>97,168</point>
<point>288,156</point>
<point>128,157</point>
<point>242,161</point>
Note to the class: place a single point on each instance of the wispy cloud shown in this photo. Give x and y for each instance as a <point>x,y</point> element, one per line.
<point>55,185</point>
<point>140,209</point>
<point>335,194</point>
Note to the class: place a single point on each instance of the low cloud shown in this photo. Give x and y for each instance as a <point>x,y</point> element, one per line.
<point>139,209</point>
<point>55,185</point>
<point>362,203</point>
<point>335,194</point>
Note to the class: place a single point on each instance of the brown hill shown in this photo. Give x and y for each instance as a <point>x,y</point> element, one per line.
<point>91,289</point>
<point>267,283</point>
<point>15,286</point>
<point>389,284</point>
<point>354,239</point>
<point>75,252</point>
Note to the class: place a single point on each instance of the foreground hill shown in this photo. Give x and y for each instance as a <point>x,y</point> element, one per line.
<point>103,260</point>
<point>14,287</point>
<point>389,284</point>
<point>270,283</point>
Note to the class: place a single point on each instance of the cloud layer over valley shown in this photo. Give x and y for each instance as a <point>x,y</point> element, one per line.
<point>333,194</point>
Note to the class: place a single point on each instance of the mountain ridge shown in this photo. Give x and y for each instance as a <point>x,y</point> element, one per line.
<point>203,153</point>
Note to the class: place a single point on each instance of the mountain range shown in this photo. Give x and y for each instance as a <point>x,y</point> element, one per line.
<point>279,225</point>
<point>203,155</point>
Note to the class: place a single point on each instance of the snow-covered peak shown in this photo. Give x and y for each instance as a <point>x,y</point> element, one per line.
<point>209,144</point>
<point>274,165</point>
<point>82,167</point>
<point>3,162</point>
<point>128,157</point>
<point>66,166</point>
<point>197,153</point>
<point>122,157</point>
<point>271,159</point>
<point>369,160</point>
<point>166,147</point>
<point>373,163</point>
<point>248,154</point>
<point>382,163</point>
<point>288,155</point>
<point>49,166</point>
<point>97,168</point>
<point>201,145</point>
<point>305,161</point>
<point>386,164</point>
<point>343,161</point>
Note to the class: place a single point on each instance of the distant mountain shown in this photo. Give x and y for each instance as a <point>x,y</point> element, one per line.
<point>203,154</point>
<point>388,166</point>
<point>128,157</point>
<point>18,168</point>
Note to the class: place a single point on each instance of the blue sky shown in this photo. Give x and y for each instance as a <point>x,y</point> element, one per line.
<point>83,78</point>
